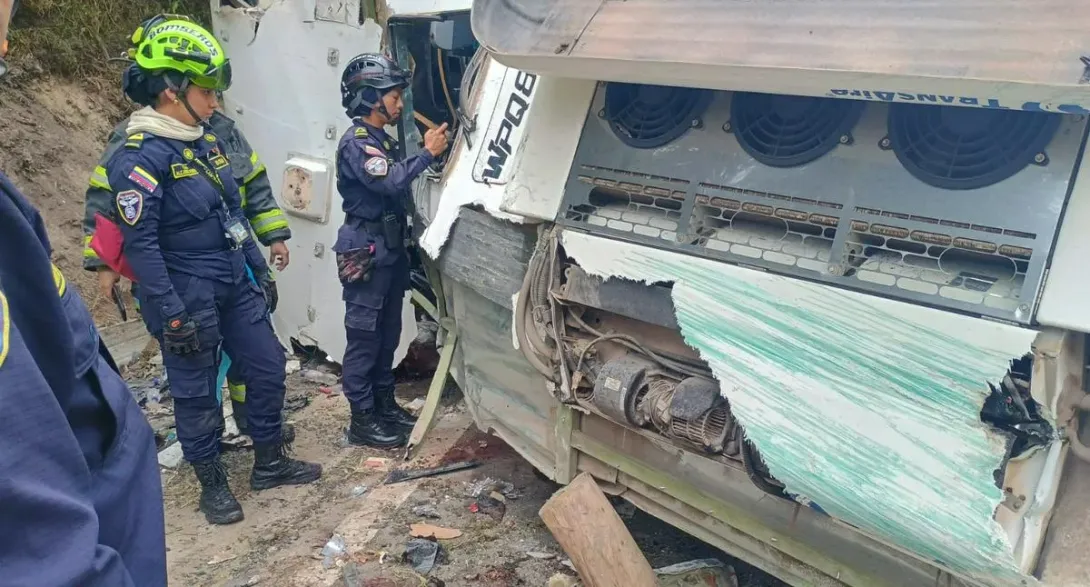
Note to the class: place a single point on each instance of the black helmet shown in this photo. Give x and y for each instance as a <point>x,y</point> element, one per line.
<point>366,79</point>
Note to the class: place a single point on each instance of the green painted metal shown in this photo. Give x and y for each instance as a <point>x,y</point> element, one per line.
<point>865,407</point>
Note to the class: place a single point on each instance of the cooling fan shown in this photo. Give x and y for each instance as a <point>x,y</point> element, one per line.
<point>958,148</point>
<point>788,131</point>
<point>646,116</point>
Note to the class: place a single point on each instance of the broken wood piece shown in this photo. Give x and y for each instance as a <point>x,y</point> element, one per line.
<point>590,531</point>
<point>431,531</point>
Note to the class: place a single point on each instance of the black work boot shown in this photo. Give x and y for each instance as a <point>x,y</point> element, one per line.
<point>392,414</point>
<point>217,502</point>
<point>368,429</point>
<point>239,414</point>
<point>273,468</point>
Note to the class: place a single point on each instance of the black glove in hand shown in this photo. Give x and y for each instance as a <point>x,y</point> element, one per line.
<point>180,336</point>
<point>355,265</point>
<point>271,295</point>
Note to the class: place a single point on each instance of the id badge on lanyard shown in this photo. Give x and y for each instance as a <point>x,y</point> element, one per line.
<point>235,229</point>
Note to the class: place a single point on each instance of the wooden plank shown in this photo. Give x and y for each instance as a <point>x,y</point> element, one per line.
<point>488,255</point>
<point>126,340</point>
<point>591,532</point>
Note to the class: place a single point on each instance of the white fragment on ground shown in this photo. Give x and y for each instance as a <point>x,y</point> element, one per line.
<point>292,366</point>
<point>320,377</point>
<point>415,406</point>
<point>171,456</point>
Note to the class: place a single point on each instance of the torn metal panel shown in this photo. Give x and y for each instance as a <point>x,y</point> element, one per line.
<point>865,407</point>
<point>992,53</point>
<point>488,255</point>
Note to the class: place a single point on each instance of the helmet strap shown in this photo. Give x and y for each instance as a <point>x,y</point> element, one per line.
<point>179,90</point>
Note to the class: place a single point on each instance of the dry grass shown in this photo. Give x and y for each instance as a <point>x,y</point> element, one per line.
<point>76,38</point>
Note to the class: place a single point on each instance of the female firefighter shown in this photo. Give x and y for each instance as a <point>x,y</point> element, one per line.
<point>370,247</point>
<point>188,244</point>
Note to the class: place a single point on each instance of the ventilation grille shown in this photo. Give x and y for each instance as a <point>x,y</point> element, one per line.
<point>734,188</point>
<point>963,149</point>
<point>646,116</point>
<point>787,131</point>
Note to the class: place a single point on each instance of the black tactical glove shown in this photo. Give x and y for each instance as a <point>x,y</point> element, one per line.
<point>355,265</point>
<point>180,336</point>
<point>268,285</point>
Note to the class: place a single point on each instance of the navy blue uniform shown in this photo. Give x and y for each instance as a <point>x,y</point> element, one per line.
<point>80,495</point>
<point>177,203</point>
<point>371,185</point>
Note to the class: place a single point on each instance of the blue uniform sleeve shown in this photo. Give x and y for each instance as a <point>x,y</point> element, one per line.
<point>138,198</point>
<point>372,167</point>
<point>50,526</point>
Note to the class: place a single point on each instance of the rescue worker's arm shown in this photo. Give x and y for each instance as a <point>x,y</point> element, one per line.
<point>258,203</point>
<point>99,198</point>
<point>50,526</point>
<point>138,196</point>
<point>381,175</point>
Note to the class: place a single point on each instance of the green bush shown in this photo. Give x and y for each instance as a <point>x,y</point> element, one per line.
<point>76,38</point>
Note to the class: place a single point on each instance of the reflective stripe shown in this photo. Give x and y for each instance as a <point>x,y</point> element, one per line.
<point>5,328</point>
<point>88,252</point>
<point>237,391</point>
<point>99,179</point>
<point>267,222</point>
<point>258,170</point>
<point>59,281</point>
<point>242,191</point>
<point>253,158</point>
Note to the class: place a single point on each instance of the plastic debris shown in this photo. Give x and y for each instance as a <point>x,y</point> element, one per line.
<point>359,490</point>
<point>562,580</point>
<point>171,456</point>
<point>292,366</point>
<point>697,573</point>
<point>422,555</point>
<point>320,377</point>
<point>541,556</point>
<point>333,550</point>
<point>426,511</point>
<point>488,485</point>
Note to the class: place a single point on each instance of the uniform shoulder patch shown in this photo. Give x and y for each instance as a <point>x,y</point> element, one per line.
<point>373,151</point>
<point>376,166</point>
<point>361,133</point>
<point>211,138</point>
<point>130,204</point>
<point>5,328</point>
<point>134,141</point>
<point>143,178</point>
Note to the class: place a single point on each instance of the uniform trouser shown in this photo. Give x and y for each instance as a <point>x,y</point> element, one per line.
<point>235,386</point>
<point>372,322</point>
<point>234,316</point>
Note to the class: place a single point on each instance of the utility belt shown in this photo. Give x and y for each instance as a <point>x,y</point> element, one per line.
<point>391,226</point>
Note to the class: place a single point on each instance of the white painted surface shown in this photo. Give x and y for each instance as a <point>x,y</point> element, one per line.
<point>284,97</point>
<point>1065,301</point>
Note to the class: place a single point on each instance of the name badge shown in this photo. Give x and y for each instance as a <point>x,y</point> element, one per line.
<point>237,232</point>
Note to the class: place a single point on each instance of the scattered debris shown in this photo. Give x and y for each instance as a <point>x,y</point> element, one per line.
<point>243,581</point>
<point>292,366</point>
<point>333,550</point>
<point>562,580</point>
<point>320,377</point>
<point>422,555</point>
<point>221,559</point>
<point>327,391</point>
<point>426,511</point>
<point>697,573</point>
<point>490,507</point>
<point>294,403</point>
<point>376,463</point>
<point>415,406</point>
<point>359,490</point>
<point>171,456</point>
<point>488,485</point>
<point>430,531</point>
<point>541,556</point>
<point>399,475</point>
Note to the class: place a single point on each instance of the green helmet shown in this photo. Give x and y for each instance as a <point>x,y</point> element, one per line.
<point>183,52</point>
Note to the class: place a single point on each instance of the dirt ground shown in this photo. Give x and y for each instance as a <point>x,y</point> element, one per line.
<point>502,543</point>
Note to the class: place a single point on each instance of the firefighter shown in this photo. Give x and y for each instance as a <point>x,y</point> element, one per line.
<point>258,204</point>
<point>371,257</point>
<point>79,481</point>
<point>189,246</point>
